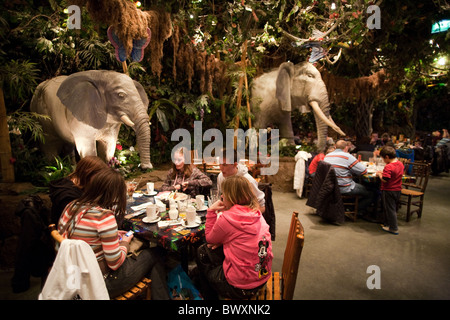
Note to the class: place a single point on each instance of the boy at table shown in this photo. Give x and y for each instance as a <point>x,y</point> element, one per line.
<point>391,186</point>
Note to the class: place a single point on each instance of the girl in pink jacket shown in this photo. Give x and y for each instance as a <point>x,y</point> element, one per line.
<point>237,259</point>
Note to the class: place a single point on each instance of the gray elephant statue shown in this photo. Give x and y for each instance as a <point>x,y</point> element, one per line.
<point>87,109</point>
<point>290,87</point>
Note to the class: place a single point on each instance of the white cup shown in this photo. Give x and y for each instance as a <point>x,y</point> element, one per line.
<point>173,214</point>
<point>200,201</point>
<point>191,213</point>
<point>150,187</point>
<point>152,211</point>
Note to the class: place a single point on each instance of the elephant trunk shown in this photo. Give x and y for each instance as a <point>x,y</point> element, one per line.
<point>322,131</point>
<point>323,121</point>
<point>142,129</point>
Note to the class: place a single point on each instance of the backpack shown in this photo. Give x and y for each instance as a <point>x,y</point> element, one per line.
<point>35,252</point>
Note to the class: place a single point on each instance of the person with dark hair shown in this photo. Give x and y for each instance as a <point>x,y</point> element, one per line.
<point>375,141</point>
<point>236,261</point>
<point>185,177</point>
<point>386,139</point>
<point>67,189</point>
<point>95,218</point>
<point>391,187</point>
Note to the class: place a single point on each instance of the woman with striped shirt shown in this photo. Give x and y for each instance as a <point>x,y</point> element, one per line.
<point>94,218</point>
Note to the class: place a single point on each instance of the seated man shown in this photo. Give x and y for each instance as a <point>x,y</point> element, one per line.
<point>235,168</point>
<point>345,165</point>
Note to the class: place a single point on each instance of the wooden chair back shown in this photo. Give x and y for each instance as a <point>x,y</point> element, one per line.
<point>420,172</point>
<point>55,234</point>
<point>292,254</point>
<point>281,285</point>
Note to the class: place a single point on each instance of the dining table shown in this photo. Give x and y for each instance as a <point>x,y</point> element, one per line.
<point>171,235</point>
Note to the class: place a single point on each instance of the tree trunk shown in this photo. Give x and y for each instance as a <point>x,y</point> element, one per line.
<point>364,114</point>
<point>7,168</point>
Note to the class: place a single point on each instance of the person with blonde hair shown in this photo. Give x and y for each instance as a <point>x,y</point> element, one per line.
<point>236,261</point>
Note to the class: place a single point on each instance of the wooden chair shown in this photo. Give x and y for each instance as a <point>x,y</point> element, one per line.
<point>140,289</point>
<point>307,186</point>
<point>281,285</point>
<point>413,192</point>
<point>350,203</point>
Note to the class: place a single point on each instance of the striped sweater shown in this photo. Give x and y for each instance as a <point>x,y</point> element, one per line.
<point>97,227</point>
<point>345,165</point>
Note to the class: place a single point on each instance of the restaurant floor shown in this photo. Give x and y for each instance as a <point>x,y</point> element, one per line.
<point>336,260</point>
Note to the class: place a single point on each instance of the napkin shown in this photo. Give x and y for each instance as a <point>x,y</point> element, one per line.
<point>141,206</point>
<point>166,223</point>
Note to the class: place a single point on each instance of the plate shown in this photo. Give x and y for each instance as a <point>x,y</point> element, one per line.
<point>202,209</point>
<point>180,196</point>
<point>154,193</point>
<point>167,195</point>
<point>146,220</point>
<point>194,225</point>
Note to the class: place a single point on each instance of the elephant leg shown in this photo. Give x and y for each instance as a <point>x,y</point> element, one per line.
<point>86,146</point>
<point>107,140</point>
<point>286,127</point>
<point>106,149</point>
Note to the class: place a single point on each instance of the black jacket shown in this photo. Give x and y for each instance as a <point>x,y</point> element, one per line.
<point>269,214</point>
<point>35,253</point>
<point>325,195</point>
<point>62,192</point>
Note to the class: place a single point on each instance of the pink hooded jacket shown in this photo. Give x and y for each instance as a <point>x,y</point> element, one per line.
<point>247,245</point>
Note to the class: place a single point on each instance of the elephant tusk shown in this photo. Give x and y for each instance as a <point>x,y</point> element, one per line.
<point>328,121</point>
<point>127,121</point>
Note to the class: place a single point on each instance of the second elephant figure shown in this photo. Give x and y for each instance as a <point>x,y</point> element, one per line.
<point>275,94</point>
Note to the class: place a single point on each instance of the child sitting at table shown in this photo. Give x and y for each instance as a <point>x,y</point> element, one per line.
<point>391,186</point>
<point>185,177</point>
<point>237,258</point>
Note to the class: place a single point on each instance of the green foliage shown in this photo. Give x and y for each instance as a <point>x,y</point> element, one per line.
<point>28,160</point>
<point>19,79</point>
<point>20,121</point>
<point>61,168</point>
<point>36,45</point>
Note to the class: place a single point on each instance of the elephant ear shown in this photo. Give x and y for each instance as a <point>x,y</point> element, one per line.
<point>80,94</point>
<point>142,93</point>
<point>283,85</point>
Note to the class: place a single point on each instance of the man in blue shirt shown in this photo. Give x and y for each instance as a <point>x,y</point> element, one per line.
<point>346,166</point>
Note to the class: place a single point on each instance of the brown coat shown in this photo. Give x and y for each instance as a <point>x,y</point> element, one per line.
<point>196,180</point>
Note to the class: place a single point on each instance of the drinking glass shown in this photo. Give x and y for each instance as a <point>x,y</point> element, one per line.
<point>131,187</point>
<point>214,195</point>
